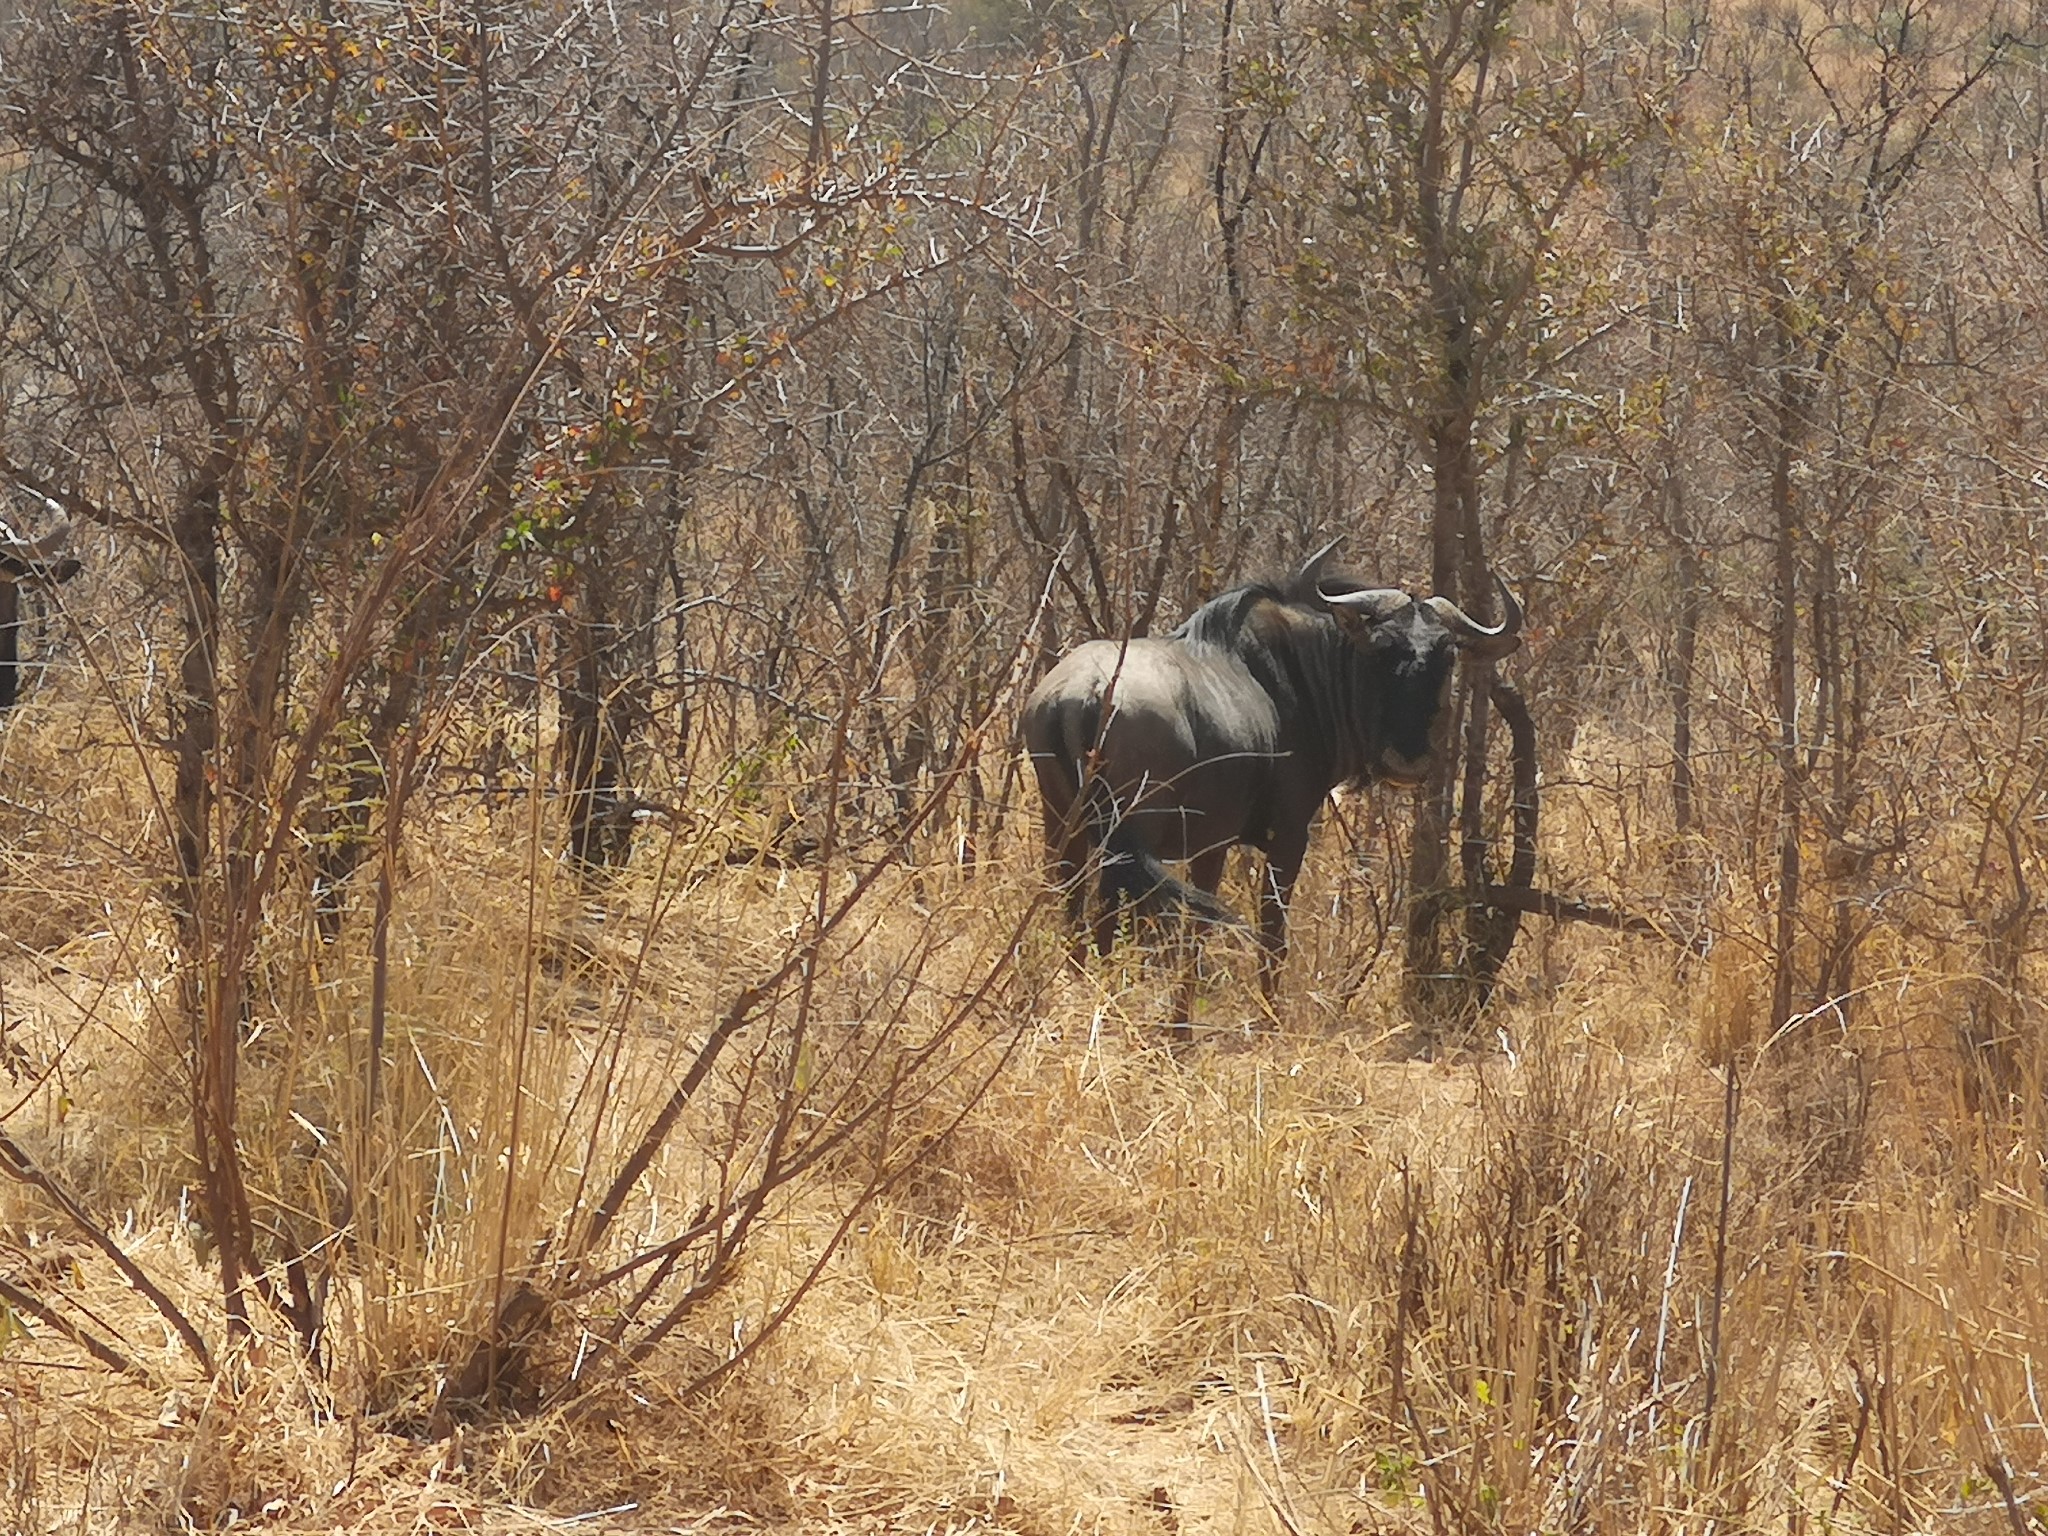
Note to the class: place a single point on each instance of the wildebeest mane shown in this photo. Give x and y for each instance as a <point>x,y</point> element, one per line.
<point>1220,620</point>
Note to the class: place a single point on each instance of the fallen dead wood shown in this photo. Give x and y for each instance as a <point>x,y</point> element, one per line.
<point>1516,898</point>
<point>17,1164</point>
<point>34,1306</point>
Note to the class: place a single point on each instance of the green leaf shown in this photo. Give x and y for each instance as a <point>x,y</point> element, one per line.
<point>11,1328</point>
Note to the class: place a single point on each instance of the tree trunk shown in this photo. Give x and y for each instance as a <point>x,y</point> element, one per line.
<point>593,758</point>
<point>1784,671</point>
<point>208,998</point>
<point>1437,979</point>
<point>1685,645</point>
<point>1490,929</point>
<point>10,643</point>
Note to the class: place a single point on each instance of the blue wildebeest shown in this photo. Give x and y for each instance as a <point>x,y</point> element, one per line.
<point>24,560</point>
<point>1234,730</point>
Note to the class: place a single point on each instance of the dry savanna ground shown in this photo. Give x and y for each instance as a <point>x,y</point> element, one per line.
<point>1303,1277</point>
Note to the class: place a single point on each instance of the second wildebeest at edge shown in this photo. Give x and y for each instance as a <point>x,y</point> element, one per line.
<point>1234,730</point>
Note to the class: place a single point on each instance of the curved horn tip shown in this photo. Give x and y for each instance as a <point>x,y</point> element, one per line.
<point>1314,562</point>
<point>1510,610</point>
<point>47,547</point>
<point>1488,642</point>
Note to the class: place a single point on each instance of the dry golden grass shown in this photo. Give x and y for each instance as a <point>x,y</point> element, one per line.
<point>1297,1279</point>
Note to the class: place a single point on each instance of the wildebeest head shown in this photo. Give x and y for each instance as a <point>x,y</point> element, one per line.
<point>1408,648</point>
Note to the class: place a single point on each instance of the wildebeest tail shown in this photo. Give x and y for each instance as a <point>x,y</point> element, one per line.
<point>1132,873</point>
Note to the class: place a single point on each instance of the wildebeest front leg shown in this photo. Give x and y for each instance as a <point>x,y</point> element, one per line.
<point>1283,864</point>
<point>1205,871</point>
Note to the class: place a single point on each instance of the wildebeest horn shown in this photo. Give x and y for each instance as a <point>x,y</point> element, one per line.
<point>1312,567</point>
<point>1481,641</point>
<point>1371,603</point>
<point>21,557</point>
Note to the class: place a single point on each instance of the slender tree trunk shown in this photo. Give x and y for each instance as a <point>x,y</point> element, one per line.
<point>1432,975</point>
<point>1233,410</point>
<point>1685,644</point>
<point>10,643</point>
<point>1491,930</point>
<point>1682,663</point>
<point>1835,974</point>
<point>940,596</point>
<point>1475,591</point>
<point>600,831</point>
<point>1784,671</point>
<point>209,1000</point>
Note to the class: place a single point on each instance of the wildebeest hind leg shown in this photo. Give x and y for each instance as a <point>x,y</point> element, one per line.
<point>1108,912</point>
<point>1067,850</point>
<point>1205,872</point>
<point>1205,869</point>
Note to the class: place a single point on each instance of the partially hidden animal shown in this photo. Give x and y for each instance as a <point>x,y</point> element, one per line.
<point>25,561</point>
<point>1233,730</point>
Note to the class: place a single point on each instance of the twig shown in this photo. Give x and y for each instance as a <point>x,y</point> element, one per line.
<point>1276,1503</point>
<point>93,1345</point>
<point>2001,1474</point>
<point>1865,1401</point>
<point>657,1131</point>
<point>1277,1496</point>
<point>1731,1104</point>
<point>1549,904</point>
<point>19,1165</point>
<point>1664,1305</point>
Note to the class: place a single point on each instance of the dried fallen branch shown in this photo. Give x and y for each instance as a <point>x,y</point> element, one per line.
<point>1512,898</point>
<point>21,1301</point>
<point>18,1164</point>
